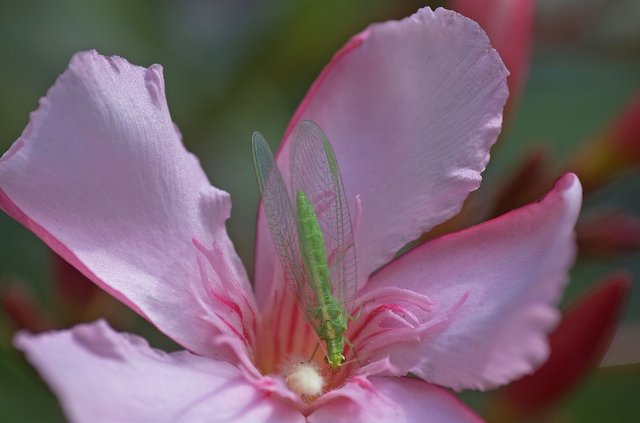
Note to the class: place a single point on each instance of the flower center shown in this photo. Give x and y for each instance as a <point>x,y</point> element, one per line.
<point>304,378</point>
<point>289,345</point>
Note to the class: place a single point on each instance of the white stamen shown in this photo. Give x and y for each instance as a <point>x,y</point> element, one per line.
<point>304,378</point>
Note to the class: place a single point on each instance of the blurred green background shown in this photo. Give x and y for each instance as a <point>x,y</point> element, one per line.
<point>235,66</point>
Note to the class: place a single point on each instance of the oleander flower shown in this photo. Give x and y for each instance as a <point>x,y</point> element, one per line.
<point>412,108</point>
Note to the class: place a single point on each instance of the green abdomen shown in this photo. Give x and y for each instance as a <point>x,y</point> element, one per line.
<point>312,248</point>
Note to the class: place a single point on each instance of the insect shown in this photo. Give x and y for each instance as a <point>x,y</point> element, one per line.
<point>311,229</point>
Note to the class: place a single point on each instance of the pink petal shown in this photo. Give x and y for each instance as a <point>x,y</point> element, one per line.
<point>391,399</point>
<point>101,175</point>
<point>577,347</point>
<point>103,376</point>
<point>411,108</point>
<point>494,287</point>
<point>509,25</point>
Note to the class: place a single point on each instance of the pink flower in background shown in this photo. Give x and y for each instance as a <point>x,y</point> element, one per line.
<point>75,299</point>
<point>412,108</point>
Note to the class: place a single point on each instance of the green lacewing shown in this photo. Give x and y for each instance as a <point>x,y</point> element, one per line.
<point>311,228</point>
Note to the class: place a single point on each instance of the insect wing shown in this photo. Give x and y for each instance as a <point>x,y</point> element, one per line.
<point>315,171</point>
<point>282,222</point>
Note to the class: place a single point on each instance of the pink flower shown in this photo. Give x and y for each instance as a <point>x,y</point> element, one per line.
<point>412,108</point>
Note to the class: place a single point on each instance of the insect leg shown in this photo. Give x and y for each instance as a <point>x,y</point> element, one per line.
<point>315,350</point>
<point>357,316</point>
<point>353,347</point>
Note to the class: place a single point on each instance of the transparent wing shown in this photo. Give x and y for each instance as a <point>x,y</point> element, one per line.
<point>282,223</point>
<point>314,170</point>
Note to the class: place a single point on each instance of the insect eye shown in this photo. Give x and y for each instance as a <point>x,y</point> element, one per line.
<point>342,359</point>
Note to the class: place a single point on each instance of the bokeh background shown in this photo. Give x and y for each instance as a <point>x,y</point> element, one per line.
<point>235,66</point>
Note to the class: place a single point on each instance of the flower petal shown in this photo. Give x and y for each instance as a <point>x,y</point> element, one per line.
<point>509,25</point>
<point>100,174</point>
<point>103,376</point>
<point>391,399</point>
<point>577,346</point>
<point>494,287</point>
<point>411,108</point>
